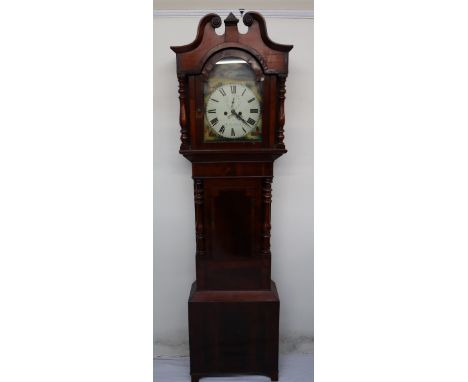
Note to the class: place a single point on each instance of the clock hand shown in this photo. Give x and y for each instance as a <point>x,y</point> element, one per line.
<point>239,117</point>
<point>245,123</point>
<point>233,112</point>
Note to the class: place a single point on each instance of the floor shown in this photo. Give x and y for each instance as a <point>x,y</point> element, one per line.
<point>292,368</point>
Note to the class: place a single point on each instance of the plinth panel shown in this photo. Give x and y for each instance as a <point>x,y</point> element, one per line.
<point>233,332</point>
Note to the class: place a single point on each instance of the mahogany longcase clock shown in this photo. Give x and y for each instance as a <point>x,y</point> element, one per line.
<point>232,91</point>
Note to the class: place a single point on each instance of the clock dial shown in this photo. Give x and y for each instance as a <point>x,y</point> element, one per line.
<point>232,111</point>
<point>232,96</point>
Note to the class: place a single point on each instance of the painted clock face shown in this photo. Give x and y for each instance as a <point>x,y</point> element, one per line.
<point>232,103</point>
<point>233,111</point>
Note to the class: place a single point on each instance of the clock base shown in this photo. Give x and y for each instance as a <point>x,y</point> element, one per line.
<point>197,377</point>
<point>233,332</point>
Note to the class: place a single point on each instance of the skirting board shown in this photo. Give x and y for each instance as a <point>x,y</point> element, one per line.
<point>285,14</point>
<point>304,345</point>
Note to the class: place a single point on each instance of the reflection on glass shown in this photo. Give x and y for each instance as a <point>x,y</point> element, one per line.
<point>231,61</point>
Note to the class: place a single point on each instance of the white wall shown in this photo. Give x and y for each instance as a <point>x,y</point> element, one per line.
<point>233,4</point>
<point>292,208</point>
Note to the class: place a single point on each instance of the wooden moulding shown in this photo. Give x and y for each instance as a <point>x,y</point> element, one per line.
<point>273,56</point>
<point>234,295</point>
<point>233,169</point>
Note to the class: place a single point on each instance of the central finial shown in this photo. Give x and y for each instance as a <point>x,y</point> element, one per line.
<point>231,19</point>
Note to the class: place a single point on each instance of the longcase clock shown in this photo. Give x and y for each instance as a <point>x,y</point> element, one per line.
<point>232,91</point>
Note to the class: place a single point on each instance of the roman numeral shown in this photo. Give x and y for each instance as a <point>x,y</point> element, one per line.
<point>214,99</point>
<point>251,121</point>
<point>254,110</point>
<point>243,92</point>
<point>250,100</point>
<point>233,133</point>
<point>222,92</point>
<point>221,129</point>
<point>214,121</point>
<point>244,130</point>
<point>214,111</point>
<point>233,89</point>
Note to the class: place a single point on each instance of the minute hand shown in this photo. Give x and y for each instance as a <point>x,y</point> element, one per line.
<point>239,117</point>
